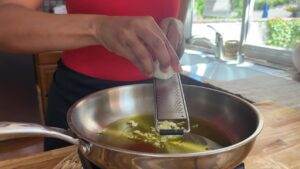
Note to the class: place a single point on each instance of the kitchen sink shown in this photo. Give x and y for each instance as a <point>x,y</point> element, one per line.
<point>205,67</point>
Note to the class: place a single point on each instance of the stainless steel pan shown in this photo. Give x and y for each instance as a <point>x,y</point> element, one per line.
<point>235,118</point>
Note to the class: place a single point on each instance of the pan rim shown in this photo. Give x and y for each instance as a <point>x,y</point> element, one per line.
<point>232,147</point>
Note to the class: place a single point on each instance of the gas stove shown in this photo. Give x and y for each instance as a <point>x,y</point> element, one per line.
<point>86,164</point>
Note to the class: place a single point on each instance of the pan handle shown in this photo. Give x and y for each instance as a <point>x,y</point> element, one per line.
<point>13,130</point>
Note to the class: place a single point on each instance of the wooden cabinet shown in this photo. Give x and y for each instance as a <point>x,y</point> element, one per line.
<point>45,66</point>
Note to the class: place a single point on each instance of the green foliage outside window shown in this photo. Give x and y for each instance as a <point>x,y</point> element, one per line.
<point>199,7</point>
<point>273,3</point>
<point>283,33</point>
<point>237,5</point>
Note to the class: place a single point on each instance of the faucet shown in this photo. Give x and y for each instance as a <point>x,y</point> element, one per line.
<point>248,6</point>
<point>219,48</point>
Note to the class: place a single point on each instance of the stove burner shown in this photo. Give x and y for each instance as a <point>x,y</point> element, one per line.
<point>86,164</point>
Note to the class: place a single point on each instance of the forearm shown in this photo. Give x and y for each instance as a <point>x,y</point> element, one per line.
<point>24,30</point>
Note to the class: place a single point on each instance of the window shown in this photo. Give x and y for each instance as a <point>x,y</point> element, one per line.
<point>275,23</point>
<point>273,30</point>
<point>227,22</point>
<point>48,5</point>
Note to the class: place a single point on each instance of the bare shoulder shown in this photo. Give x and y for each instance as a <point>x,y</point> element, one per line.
<point>32,4</point>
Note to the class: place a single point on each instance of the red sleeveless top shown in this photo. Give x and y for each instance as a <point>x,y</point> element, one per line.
<point>96,61</point>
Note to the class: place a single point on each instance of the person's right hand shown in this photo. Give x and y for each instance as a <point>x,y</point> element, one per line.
<point>138,39</point>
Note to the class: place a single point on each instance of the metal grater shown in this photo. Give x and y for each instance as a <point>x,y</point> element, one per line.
<point>170,104</point>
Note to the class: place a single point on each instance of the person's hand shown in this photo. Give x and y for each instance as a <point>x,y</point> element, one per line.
<point>174,30</point>
<point>138,39</point>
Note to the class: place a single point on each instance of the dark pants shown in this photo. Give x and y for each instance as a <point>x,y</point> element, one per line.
<point>68,86</point>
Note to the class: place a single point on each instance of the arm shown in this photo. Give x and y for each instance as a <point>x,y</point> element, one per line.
<point>31,4</point>
<point>138,39</point>
<point>25,30</point>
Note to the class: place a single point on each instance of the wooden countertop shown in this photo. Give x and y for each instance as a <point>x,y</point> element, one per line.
<point>277,147</point>
<point>46,160</point>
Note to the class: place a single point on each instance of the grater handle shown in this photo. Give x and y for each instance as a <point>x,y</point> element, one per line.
<point>170,103</point>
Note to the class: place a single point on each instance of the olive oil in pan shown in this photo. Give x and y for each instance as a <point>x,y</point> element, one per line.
<point>137,133</point>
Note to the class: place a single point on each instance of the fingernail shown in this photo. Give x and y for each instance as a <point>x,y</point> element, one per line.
<point>177,69</point>
<point>164,68</point>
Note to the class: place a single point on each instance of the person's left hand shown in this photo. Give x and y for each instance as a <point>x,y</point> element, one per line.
<point>173,29</point>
